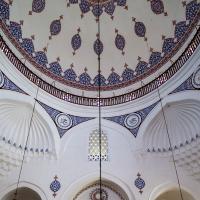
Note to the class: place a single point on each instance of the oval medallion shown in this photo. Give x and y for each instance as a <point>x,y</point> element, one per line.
<point>38,5</point>
<point>55,27</point>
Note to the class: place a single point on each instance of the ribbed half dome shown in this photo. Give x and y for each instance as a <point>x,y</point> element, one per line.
<point>183,123</point>
<point>15,126</point>
<point>15,121</point>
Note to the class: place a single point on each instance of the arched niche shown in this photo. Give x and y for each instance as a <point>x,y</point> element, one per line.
<point>23,193</point>
<point>109,190</point>
<point>174,194</point>
<point>86,184</point>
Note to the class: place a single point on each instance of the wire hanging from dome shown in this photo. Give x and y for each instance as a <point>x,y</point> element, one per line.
<point>26,141</point>
<point>169,140</point>
<point>99,99</point>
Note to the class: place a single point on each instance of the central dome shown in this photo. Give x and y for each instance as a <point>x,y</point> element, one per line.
<point>138,40</point>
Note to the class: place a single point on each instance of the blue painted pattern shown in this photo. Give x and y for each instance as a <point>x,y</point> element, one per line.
<point>76,42</point>
<point>15,30</point>
<point>38,5</point>
<point>41,58</point>
<point>180,29</point>
<point>192,9</point>
<point>140,183</point>
<point>140,29</point>
<point>113,78</point>
<point>70,75</point>
<point>55,27</point>
<point>27,45</point>
<point>102,80</point>
<point>155,58</point>
<point>97,10</point>
<point>55,68</point>
<point>128,74</point>
<point>53,113</point>
<point>4,10</point>
<point>98,46</point>
<point>168,45</point>
<point>55,186</point>
<point>7,84</point>
<point>157,6</point>
<point>141,67</point>
<point>85,79</point>
<point>121,119</point>
<point>120,42</point>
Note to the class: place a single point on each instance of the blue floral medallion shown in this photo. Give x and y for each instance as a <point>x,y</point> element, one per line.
<point>140,183</point>
<point>55,27</point>
<point>55,186</point>
<point>98,7</point>
<point>38,5</point>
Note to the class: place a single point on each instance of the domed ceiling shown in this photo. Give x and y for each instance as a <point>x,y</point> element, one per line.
<point>138,40</point>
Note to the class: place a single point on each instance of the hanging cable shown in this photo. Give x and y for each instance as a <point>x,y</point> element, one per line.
<point>169,140</point>
<point>26,143</point>
<point>99,102</point>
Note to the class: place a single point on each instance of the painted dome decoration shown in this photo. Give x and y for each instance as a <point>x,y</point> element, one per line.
<point>98,46</point>
<point>37,6</point>
<point>55,27</point>
<point>98,7</point>
<point>140,29</point>
<point>120,42</point>
<point>76,41</point>
<point>157,6</point>
<point>51,45</point>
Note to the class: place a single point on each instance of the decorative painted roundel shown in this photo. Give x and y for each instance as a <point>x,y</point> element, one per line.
<point>55,186</point>
<point>196,78</point>
<point>133,120</point>
<point>95,194</point>
<point>1,79</point>
<point>63,121</point>
<point>139,183</point>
